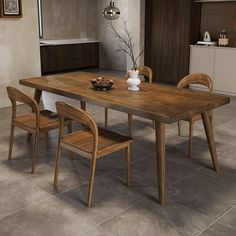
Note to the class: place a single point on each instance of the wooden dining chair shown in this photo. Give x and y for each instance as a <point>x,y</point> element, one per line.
<point>32,122</point>
<point>201,79</point>
<point>92,142</point>
<point>146,72</point>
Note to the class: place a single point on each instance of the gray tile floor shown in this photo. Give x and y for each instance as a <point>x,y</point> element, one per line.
<point>199,201</point>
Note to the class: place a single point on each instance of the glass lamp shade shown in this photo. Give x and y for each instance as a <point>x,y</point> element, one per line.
<point>111,12</point>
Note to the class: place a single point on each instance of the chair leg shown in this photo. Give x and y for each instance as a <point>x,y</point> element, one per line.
<point>71,156</point>
<point>179,128</point>
<point>47,140</point>
<point>29,136</point>
<point>212,125</point>
<point>128,156</point>
<point>11,141</point>
<point>69,129</point>
<point>35,145</point>
<point>190,139</point>
<point>83,105</point>
<point>106,117</point>
<point>58,157</point>
<point>153,124</point>
<point>130,119</point>
<point>91,181</point>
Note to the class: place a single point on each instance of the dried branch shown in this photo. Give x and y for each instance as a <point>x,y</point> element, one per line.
<point>127,45</point>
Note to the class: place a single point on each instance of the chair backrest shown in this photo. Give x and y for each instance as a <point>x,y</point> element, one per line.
<point>65,110</point>
<point>16,95</point>
<point>197,78</point>
<point>145,71</point>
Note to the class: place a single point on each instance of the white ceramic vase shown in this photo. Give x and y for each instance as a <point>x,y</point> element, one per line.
<point>133,81</point>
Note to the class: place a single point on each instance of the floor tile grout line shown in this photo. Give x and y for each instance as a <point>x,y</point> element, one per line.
<point>84,182</point>
<point>210,218</point>
<point>98,224</point>
<point>107,231</point>
<point>190,209</point>
<point>188,175</point>
<point>77,185</point>
<point>67,190</point>
<point>33,204</point>
<point>73,187</point>
<point>16,226</point>
<point>228,226</point>
<point>215,221</point>
<point>55,197</point>
<point>200,213</point>
<point>115,215</point>
<point>224,215</point>
<point>102,175</point>
<point>107,173</point>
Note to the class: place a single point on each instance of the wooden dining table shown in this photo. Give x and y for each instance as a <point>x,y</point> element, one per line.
<point>163,104</point>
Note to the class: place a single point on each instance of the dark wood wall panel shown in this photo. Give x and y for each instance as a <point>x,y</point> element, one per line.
<point>168,32</point>
<point>217,16</point>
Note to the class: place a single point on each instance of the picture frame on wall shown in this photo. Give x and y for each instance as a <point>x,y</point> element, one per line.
<point>10,8</point>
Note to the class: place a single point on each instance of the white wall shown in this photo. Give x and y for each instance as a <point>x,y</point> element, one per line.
<point>133,12</point>
<point>133,20</point>
<point>109,57</point>
<point>63,19</point>
<point>19,49</point>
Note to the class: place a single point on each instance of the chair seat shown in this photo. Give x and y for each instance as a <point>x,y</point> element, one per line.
<point>108,142</point>
<point>48,121</point>
<point>91,142</point>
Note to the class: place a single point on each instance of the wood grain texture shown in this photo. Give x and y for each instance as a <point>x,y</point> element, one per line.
<point>217,16</point>
<point>210,139</point>
<point>196,78</point>
<point>168,103</point>
<point>160,146</point>
<point>92,143</point>
<point>170,27</point>
<point>34,122</point>
<point>57,58</point>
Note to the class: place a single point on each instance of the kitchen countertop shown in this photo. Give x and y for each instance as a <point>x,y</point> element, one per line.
<point>66,41</point>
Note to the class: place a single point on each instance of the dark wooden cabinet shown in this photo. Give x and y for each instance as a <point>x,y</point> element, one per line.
<point>57,58</point>
<point>170,27</point>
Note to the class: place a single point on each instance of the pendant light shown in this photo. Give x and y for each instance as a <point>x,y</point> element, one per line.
<point>111,12</point>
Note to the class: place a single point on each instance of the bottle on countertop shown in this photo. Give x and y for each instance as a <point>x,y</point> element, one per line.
<point>223,39</point>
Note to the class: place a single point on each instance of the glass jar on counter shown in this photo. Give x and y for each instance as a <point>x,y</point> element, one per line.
<point>223,39</point>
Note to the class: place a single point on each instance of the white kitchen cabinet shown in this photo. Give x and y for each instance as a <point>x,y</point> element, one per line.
<point>225,70</point>
<point>202,60</point>
<point>219,63</point>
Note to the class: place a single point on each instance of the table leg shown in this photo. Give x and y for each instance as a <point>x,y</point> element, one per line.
<point>160,148</point>
<point>210,139</point>
<point>37,97</point>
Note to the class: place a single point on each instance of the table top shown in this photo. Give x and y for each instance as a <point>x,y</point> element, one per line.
<point>164,104</point>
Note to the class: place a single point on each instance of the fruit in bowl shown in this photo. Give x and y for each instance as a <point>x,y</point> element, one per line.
<point>102,83</point>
